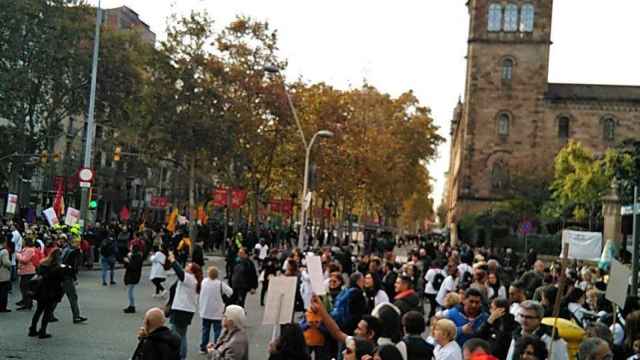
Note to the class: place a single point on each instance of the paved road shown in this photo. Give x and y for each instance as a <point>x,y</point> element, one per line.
<point>109,333</point>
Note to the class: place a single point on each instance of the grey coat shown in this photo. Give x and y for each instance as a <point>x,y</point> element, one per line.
<point>5,266</point>
<point>232,345</point>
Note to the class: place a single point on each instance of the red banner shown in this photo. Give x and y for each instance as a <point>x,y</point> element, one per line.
<point>281,206</point>
<point>324,213</point>
<point>159,202</point>
<point>238,197</point>
<point>219,197</point>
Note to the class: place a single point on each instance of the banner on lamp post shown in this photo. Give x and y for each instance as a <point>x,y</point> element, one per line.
<point>12,203</point>
<point>238,198</point>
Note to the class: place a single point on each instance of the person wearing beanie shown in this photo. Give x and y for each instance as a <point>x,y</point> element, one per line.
<point>233,344</point>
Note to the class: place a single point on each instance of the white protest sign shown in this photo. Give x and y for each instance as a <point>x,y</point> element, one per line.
<point>314,264</point>
<point>618,283</point>
<point>401,259</point>
<point>182,220</point>
<point>51,216</point>
<point>12,203</point>
<point>72,217</point>
<point>280,300</point>
<point>583,245</point>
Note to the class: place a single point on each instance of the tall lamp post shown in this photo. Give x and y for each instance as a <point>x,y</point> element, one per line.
<point>322,133</point>
<point>88,144</point>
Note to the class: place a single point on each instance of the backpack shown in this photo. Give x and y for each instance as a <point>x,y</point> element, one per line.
<point>437,281</point>
<point>34,285</point>
<point>341,312</point>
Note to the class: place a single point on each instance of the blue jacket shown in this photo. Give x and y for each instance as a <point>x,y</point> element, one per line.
<point>460,319</point>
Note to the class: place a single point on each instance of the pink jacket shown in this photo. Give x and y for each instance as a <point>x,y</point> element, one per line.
<point>25,261</point>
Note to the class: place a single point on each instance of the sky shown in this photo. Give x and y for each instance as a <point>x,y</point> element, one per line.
<point>418,45</point>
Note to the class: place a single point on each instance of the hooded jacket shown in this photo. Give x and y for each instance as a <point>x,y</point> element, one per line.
<point>161,344</point>
<point>408,300</point>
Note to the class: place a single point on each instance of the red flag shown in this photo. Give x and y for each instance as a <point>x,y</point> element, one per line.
<point>238,197</point>
<point>220,197</point>
<point>58,202</point>
<point>124,214</point>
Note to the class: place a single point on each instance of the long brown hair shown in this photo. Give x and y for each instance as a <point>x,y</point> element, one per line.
<point>54,258</point>
<point>197,272</point>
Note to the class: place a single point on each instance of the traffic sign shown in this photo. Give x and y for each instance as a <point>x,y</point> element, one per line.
<point>85,175</point>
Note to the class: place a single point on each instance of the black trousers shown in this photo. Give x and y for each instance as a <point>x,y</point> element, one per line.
<point>5,286</point>
<point>24,282</point>
<point>158,283</point>
<point>44,310</point>
<point>239,296</point>
<point>432,304</point>
<point>263,292</point>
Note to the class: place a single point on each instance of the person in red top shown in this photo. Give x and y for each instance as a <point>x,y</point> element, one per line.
<point>137,242</point>
<point>26,270</point>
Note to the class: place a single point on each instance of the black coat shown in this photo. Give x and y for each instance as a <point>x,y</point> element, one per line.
<point>244,275</point>
<point>499,334</point>
<point>197,255</point>
<point>134,269</point>
<point>50,291</point>
<point>161,344</point>
<point>408,303</point>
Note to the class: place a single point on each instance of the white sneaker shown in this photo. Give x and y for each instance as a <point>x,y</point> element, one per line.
<point>163,294</point>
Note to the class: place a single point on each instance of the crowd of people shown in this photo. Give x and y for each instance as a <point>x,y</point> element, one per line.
<point>439,301</point>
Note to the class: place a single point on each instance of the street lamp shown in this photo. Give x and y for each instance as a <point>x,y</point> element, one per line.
<point>322,133</point>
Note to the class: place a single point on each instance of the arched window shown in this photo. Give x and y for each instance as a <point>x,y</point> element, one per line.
<point>511,17</point>
<point>507,69</point>
<point>526,18</point>
<point>495,17</point>
<point>609,130</point>
<point>503,125</point>
<point>563,127</point>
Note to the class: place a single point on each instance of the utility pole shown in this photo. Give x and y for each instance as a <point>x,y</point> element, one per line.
<point>88,144</point>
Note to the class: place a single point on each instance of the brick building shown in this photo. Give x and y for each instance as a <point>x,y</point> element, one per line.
<point>512,120</point>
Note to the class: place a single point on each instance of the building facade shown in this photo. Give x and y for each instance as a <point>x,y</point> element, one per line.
<point>512,120</point>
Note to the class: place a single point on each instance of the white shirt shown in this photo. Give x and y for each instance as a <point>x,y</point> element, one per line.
<point>465,268</point>
<point>401,346</point>
<point>157,266</point>
<point>16,239</point>
<point>429,277</point>
<point>381,298</point>
<point>514,310</point>
<point>502,292</point>
<point>451,351</point>
<point>559,348</point>
<point>263,250</point>
<point>186,298</point>
<point>448,285</point>
<point>210,302</point>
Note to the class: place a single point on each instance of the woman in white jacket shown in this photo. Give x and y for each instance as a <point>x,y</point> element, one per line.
<point>185,301</point>
<point>158,274</point>
<point>212,306</point>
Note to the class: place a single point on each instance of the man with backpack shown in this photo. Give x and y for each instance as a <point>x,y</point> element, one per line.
<point>108,252</point>
<point>350,305</point>
<point>433,279</point>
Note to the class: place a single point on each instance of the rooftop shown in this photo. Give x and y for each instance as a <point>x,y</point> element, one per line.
<point>586,92</point>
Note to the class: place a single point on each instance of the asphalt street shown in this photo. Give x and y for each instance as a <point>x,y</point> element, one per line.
<point>109,333</point>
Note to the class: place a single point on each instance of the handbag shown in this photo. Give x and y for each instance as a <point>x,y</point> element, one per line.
<point>225,299</point>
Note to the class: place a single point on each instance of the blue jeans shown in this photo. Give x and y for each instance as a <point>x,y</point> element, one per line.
<point>107,264</point>
<point>206,332</point>
<point>132,301</point>
<point>182,332</point>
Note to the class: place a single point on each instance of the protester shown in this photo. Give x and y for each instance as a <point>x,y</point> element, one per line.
<point>244,278</point>
<point>185,300</point>
<point>47,292</point>
<point>133,272</point>
<point>155,340</point>
<point>5,276</point>
<point>417,347</point>
<point>444,333</point>
<point>70,258</point>
<point>108,254</point>
<point>469,317</point>
<point>530,348</point>
<point>374,292</point>
<point>290,345</point>
<point>474,348</point>
<point>406,298</point>
<point>233,344</point>
<point>211,305</point>
<point>158,274</point>
<point>498,328</point>
<point>26,261</point>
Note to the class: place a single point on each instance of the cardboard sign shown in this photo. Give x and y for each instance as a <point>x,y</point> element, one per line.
<point>583,245</point>
<point>618,284</point>
<point>72,217</point>
<point>51,216</point>
<point>12,203</point>
<point>314,264</point>
<point>280,300</point>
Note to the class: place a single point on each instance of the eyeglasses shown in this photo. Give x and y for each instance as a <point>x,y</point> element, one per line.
<point>528,317</point>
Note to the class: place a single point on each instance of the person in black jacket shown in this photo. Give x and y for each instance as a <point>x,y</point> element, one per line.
<point>417,347</point>
<point>133,272</point>
<point>156,341</point>
<point>497,330</point>
<point>244,277</point>
<point>71,258</point>
<point>47,292</point>
<point>197,254</point>
<point>269,269</point>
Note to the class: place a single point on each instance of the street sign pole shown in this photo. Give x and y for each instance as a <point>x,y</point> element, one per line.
<point>636,244</point>
<point>88,144</point>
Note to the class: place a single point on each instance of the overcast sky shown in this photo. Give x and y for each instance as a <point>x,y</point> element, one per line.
<point>418,44</point>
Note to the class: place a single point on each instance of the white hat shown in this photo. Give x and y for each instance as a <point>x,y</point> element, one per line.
<point>236,314</point>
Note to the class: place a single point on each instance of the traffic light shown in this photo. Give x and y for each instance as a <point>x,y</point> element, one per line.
<point>93,201</point>
<point>56,156</point>
<point>44,157</point>
<point>117,152</point>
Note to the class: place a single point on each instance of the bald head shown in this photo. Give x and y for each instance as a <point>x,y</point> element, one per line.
<point>153,319</point>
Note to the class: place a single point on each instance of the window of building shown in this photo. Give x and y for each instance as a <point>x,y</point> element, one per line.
<point>507,69</point>
<point>495,17</point>
<point>526,18</point>
<point>563,127</point>
<point>609,129</point>
<point>511,17</point>
<point>503,125</point>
